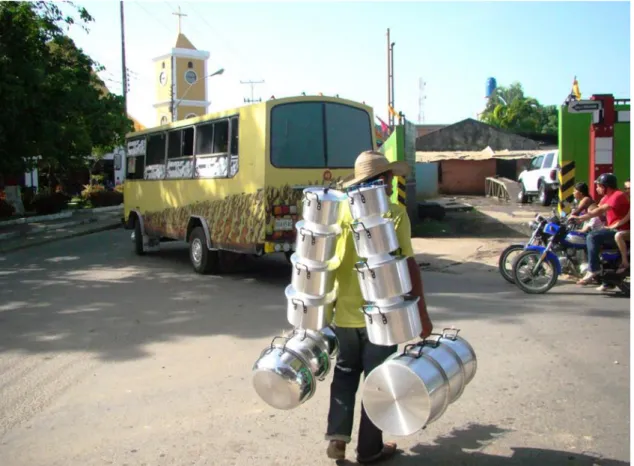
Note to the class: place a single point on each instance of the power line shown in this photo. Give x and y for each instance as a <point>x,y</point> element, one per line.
<point>252,84</point>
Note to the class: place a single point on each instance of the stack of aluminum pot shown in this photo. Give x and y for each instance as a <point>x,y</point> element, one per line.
<point>414,388</point>
<point>391,313</point>
<point>285,374</point>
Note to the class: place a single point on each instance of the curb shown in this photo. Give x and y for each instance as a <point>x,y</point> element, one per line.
<point>43,229</point>
<point>110,226</point>
<point>38,218</point>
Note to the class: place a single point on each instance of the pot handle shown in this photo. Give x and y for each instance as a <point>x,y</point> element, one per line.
<point>361,196</point>
<point>371,306</point>
<point>372,272</point>
<point>308,201</point>
<point>283,338</point>
<point>300,271</point>
<point>312,236</point>
<point>407,350</point>
<point>450,333</point>
<point>295,301</point>
<point>356,234</point>
<point>432,340</point>
<point>298,331</point>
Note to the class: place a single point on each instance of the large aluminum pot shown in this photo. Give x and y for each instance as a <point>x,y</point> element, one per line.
<point>375,236</point>
<point>322,205</point>
<point>463,349</point>
<point>406,392</point>
<point>316,244</point>
<point>385,280</point>
<point>313,349</point>
<point>313,278</point>
<point>307,312</point>
<point>368,200</point>
<point>450,362</point>
<point>393,324</point>
<point>282,378</point>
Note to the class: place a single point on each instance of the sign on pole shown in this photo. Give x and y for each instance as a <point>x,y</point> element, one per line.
<point>585,106</point>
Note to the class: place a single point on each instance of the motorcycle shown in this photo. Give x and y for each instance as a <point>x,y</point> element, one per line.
<point>507,255</point>
<point>565,250</point>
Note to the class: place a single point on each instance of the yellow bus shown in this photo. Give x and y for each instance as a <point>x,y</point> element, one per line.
<point>231,182</point>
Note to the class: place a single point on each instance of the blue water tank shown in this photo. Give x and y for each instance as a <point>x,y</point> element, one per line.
<point>491,85</point>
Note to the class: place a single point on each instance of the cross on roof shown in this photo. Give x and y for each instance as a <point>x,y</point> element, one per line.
<point>180,17</point>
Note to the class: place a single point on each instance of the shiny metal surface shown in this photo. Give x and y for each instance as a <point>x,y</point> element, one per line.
<point>464,351</point>
<point>282,379</point>
<point>450,363</point>
<point>405,393</point>
<point>576,238</point>
<point>322,205</point>
<point>394,324</point>
<point>387,280</point>
<point>331,341</point>
<point>313,279</point>
<point>368,201</point>
<point>312,348</point>
<point>314,245</point>
<point>304,311</point>
<point>376,236</point>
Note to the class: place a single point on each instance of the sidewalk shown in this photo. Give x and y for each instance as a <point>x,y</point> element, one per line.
<point>34,231</point>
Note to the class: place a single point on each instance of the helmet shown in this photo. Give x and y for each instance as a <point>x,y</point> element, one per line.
<point>607,179</point>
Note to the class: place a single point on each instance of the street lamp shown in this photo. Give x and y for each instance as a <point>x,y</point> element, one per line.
<point>215,73</point>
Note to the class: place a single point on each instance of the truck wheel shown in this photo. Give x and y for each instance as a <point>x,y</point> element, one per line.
<point>545,195</point>
<point>203,260</point>
<point>138,237</point>
<point>522,197</point>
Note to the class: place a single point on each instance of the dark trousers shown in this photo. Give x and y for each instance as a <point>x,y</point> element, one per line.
<point>594,242</point>
<point>357,355</point>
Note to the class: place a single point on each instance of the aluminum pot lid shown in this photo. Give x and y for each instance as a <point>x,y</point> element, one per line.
<point>292,293</point>
<point>317,230</point>
<point>314,266</point>
<point>378,260</point>
<point>374,308</point>
<point>325,194</point>
<point>369,222</point>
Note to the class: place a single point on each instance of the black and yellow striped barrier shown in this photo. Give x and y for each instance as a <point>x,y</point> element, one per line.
<point>400,190</point>
<point>566,186</point>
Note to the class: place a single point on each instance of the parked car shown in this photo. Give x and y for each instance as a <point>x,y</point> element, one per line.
<point>540,179</point>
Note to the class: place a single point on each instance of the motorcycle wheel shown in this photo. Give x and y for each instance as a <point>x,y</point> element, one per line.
<point>522,267</point>
<point>624,286</point>
<point>507,273</point>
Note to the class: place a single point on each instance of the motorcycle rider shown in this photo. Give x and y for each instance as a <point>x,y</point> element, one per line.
<point>622,237</point>
<point>615,205</point>
<point>583,198</point>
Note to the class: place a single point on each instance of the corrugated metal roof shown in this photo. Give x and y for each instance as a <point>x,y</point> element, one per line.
<point>488,153</point>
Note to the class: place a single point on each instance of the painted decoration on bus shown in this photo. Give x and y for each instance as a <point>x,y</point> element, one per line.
<point>180,168</point>
<point>154,172</point>
<point>136,147</point>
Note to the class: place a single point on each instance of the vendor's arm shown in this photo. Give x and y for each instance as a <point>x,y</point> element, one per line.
<point>404,234</point>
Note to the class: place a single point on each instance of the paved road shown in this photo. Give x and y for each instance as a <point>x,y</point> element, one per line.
<point>108,358</point>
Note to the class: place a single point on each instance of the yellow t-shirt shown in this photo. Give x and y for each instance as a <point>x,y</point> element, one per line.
<point>348,312</point>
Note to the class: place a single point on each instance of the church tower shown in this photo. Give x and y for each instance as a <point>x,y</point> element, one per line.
<point>181,84</point>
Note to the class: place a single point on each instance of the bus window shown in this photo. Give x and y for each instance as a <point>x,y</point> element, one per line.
<point>221,137</point>
<point>180,148</point>
<point>204,138</point>
<point>297,135</point>
<point>188,142</point>
<point>155,158</point>
<point>348,133</point>
<point>234,136</point>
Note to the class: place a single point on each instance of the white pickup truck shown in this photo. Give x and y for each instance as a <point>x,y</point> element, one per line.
<point>540,179</point>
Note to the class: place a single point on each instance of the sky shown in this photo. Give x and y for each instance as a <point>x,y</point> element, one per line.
<point>341,48</point>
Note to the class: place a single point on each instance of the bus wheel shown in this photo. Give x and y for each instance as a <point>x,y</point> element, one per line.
<point>203,260</point>
<point>138,238</point>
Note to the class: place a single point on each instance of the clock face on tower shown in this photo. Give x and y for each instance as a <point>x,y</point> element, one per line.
<point>163,78</point>
<point>190,76</point>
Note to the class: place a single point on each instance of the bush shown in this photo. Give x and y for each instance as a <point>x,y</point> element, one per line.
<point>91,189</point>
<point>6,209</point>
<point>105,198</point>
<point>119,188</point>
<point>46,203</point>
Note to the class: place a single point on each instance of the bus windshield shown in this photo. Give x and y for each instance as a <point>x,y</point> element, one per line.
<point>318,135</point>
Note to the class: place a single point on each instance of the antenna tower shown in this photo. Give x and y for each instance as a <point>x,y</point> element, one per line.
<point>252,84</point>
<point>421,100</point>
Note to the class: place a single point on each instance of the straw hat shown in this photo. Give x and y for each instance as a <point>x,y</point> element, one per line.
<point>372,163</point>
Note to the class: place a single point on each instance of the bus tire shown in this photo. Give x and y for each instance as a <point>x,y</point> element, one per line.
<point>203,260</point>
<point>138,237</point>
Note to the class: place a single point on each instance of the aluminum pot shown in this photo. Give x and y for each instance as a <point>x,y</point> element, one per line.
<point>332,342</point>
<point>406,392</point>
<point>315,245</point>
<point>368,200</point>
<point>313,349</point>
<point>375,236</point>
<point>313,278</point>
<point>464,351</point>
<point>282,378</point>
<point>385,280</point>
<point>322,205</point>
<point>307,312</point>
<point>450,362</point>
<point>393,324</point>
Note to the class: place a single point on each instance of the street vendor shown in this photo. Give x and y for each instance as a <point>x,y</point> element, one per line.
<point>357,354</point>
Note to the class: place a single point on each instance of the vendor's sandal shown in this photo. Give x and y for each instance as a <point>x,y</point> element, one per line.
<point>336,450</point>
<point>389,450</point>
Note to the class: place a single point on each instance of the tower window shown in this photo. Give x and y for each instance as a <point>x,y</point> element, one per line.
<point>163,65</point>
<point>190,65</point>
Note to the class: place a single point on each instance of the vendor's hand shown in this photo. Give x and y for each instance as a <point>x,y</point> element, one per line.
<point>428,327</point>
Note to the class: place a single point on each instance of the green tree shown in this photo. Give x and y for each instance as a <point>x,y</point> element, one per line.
<point>54,103</point>
<point>509,108</point>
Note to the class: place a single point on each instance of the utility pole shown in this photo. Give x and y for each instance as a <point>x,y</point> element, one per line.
<point>252,84</point>
<point>390,80</point>
<point>421,100</point>
<point>124,69</point>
